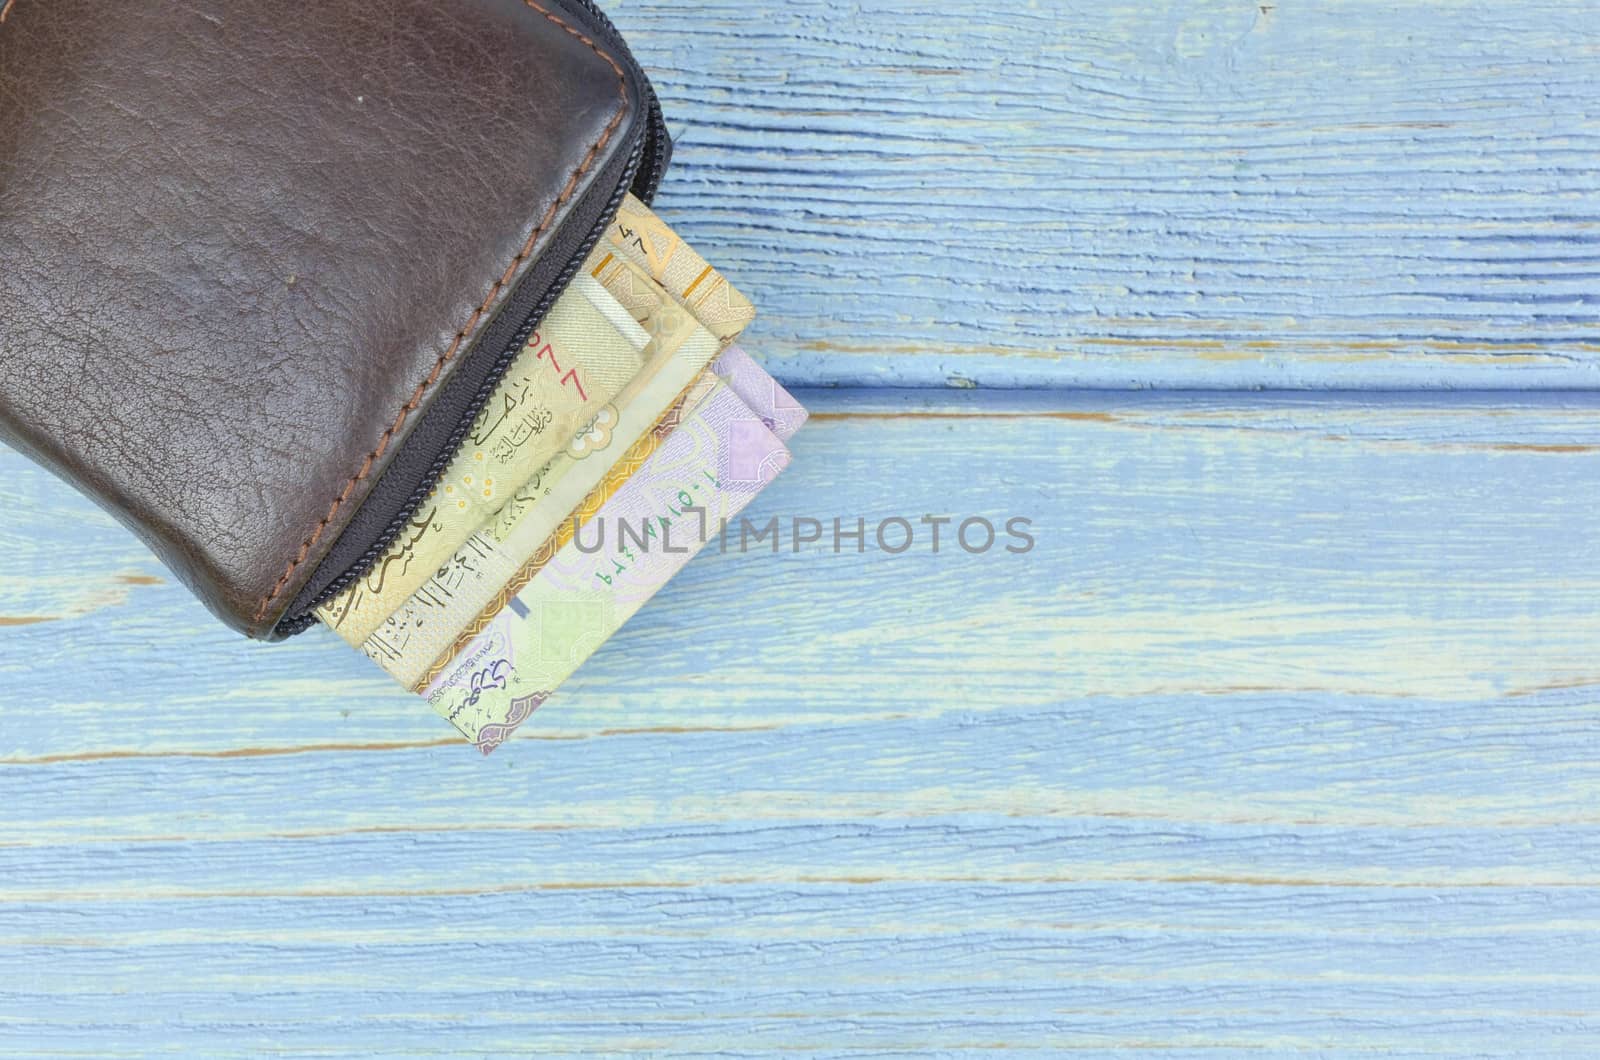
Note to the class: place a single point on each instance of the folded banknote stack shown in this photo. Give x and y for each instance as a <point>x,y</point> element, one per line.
<point>623,436</point>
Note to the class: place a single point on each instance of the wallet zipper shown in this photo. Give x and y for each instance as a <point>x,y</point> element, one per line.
<point>658,150</point>
<point>643,169</point>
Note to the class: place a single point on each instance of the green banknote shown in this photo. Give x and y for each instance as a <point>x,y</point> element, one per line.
<point>478,580</point>
<point>706,471</point>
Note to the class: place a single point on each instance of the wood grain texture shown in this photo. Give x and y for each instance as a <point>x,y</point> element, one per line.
<point>1284,738</point>
<point>1218,194</point>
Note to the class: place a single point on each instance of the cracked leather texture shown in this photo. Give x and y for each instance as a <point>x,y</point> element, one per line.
<point>235,244</point>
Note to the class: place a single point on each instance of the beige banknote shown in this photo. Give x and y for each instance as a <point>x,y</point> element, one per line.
<point>443,616</point>
<point>640,236</point>
<point>584,352</point>
<point>679,348</point>
<point>423,628</point>
<point>656,276</point>
<point>649,270</point>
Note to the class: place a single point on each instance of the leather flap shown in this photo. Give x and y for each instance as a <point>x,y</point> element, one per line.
<point>245,245</point>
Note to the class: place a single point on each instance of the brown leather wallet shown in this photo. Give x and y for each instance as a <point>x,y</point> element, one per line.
<point>263,265</point>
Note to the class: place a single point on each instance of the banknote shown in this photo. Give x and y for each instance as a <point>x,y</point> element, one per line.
<point>467,593</point>
<point>642,237</point>
<point>422,628</point>
<point>765,396</point>
<point>423,632</point>
<point>586,350</point>
<point>707,470</point>
<point>420,638</point>
<point>618,270</point>
<point>680,347</point>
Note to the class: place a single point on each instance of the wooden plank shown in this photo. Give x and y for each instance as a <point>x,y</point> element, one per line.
<point>1285,736</point>
<point>1185,545</point>
<point>1218,194</point>
<point>819,969</point>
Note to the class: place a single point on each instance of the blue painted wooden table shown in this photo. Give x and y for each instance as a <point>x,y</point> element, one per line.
<point>1277,320</point>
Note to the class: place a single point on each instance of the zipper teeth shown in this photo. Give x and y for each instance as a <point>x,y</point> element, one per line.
<point>298,623</point>
<point>652,139</point>
<point>659,142</point>
<point>661,146</point>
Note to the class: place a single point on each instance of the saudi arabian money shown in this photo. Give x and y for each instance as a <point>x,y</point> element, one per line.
<point>461,600</point>
<point>706,471</point>
<point>421,634</point>
<point>464,596</point>
<point>642,237</point>
<point>717,306</point>
<point>421,629</point>
<point>777,408</point>
<point>679,348</point>
<point>419,639</point>
<point>584,352</point>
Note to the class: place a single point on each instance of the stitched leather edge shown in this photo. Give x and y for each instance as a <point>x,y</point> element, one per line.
<point>427,383</point>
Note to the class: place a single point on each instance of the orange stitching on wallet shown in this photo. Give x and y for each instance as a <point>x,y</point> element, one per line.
<point>444,358</point>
